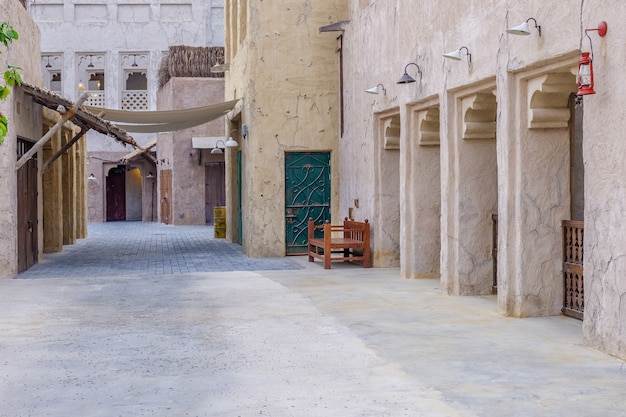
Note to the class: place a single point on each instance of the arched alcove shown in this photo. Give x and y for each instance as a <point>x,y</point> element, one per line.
<point>548,100</point>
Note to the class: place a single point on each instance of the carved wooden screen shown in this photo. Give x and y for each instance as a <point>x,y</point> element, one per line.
<point>574,302</point>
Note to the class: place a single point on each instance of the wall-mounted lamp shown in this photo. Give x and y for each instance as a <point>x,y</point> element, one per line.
<point>150,175</point>
<point>91,177</point>
<point>374,90</point>
<point>230,143</point>
<point>406,78</point>
<point>584,78</point>
<point>81,86</point>
<point>523,29</point>
<point>244,131</point>
<point>217,149</point>
<point>456,55</point>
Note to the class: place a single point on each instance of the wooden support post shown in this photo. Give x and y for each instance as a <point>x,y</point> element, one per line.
<point>65,147</point>
<point>67,116</point>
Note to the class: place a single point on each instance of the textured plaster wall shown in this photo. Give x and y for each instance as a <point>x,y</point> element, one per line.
<point>116,29</point>
<point>386,230</point>
<point>286,72</point>
<point>604,326</point>
<point>188,178</point>
<point>420,210</point>
<point>531,164</point>
<point>24,119</point>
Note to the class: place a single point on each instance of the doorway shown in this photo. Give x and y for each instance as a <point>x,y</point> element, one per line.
<point>214,188</point>
<point>573,229</point>
<point>116,194</point>
<point>307,195</point>
<point>165,181</point>
<point>26,210</point>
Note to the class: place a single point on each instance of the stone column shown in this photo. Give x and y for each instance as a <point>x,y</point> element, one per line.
<point>52,197</point>
<point>421,200</point>
<point>469,194</point>
<point>534,166</point>
<point>81,188</point>
<point>69,192</point>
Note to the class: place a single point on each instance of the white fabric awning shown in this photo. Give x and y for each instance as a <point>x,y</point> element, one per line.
<point>163,120</point>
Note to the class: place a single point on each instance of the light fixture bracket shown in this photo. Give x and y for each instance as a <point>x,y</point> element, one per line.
<point>523,29</point>
<point>374,90</point>
<point>406,78</point>
<point>456,55</point>
<point>601,29</point>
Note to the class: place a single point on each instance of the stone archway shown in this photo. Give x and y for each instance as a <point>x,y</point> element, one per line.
<point>470,195</point>
<point>386,233</point>
<point>421,194</point>
<point>537,196</point>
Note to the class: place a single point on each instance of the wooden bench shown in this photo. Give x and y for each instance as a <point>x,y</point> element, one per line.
<point>344,239</point>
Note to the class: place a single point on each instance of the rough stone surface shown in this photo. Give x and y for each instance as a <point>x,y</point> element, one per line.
<point>532,80</point>
<point>288,104</point>
<point>23,118</point>
<point>188,179</point>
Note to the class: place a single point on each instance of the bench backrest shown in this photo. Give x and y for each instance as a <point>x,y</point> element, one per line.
<point>350,229</point>
<point>356,230</point>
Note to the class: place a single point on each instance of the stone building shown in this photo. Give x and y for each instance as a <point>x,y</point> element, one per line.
<point>25,124</point>
<point>45,194</point>
<point>287,77</point>
<point>467,173</point>
<point>113,51</point>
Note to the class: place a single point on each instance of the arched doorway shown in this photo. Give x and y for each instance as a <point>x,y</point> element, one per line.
<point>116,194</point>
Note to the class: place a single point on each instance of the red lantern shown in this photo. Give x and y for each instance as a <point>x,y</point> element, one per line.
<point>585,75</point>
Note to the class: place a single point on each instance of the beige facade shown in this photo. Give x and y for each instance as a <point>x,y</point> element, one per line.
<point>53,211</point>
<point>114,50</point>
<point>430,163</point>
<point>21,113</point>
<point>177,154</point>
<point>286,74</point>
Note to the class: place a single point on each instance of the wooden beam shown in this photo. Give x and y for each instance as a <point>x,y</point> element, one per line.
<point>65,147</point>
<point>41,142</point>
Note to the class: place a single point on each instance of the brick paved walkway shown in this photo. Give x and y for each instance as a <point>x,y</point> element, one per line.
<point>137,248</point>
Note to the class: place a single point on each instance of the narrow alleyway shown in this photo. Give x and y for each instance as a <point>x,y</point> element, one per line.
<point>130,248</point>
<point>275,337</point>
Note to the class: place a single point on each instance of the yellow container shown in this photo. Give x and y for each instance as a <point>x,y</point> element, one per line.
<point>219,222</point>
<point>219,233</point>
<point>219,213</point>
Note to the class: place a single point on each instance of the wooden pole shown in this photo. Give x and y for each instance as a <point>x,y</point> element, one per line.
<point>65,147</point>
<point>67,116</point>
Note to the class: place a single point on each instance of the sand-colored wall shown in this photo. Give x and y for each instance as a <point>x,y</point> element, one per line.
<point>188,170</point>
<point>522,175</point>
<point>286,73</point>
<point>24,119</point>
<point>605,186</point>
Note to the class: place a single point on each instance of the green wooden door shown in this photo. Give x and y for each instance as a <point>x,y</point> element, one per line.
<point>239,216</point>
<point>307,194</point>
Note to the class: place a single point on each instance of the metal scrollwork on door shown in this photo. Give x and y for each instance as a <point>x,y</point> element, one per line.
<point>307,184</point>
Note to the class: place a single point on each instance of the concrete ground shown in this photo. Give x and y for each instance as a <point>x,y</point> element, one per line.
<point>198,329</point>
